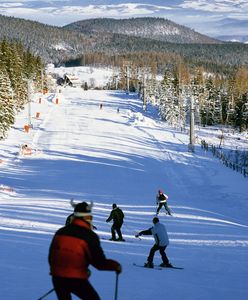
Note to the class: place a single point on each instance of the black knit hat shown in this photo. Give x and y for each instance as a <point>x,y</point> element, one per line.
<point>82,209</point>
<point>155,220</point>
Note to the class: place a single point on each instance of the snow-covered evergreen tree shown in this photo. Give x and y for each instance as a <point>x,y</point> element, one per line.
<point>7,106</point>
<point>17,66</point>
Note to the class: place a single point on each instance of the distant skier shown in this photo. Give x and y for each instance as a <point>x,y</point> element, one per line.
<point>161,242</point>
<point>117,216</point>
<point>161,199</point>
<point>26,150</point>
<point>74,247</point>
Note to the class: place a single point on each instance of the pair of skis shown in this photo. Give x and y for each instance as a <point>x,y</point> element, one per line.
<point>109,239</point>
<point>157,267</point>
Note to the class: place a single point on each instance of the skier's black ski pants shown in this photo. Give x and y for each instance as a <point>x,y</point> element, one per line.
<point>161,251</point>
<point>116,227</point>
<point>165,206</point>
<point>64,287</point>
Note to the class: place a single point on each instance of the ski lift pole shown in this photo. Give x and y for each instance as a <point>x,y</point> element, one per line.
<point>116,285</point>
<point>42,81</point>
<point>127,78</point>
<point>46,294</point>
<point>144,91</point>
<point>29,103</point>
<point>192,125</point>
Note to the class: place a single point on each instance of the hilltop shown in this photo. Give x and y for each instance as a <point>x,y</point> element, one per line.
<point>159,29</point>
<point>109,42</point>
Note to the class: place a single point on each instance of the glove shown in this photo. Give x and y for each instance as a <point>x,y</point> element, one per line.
<point>137,235</point>
<point>118,269</point>
<point>88,272</point>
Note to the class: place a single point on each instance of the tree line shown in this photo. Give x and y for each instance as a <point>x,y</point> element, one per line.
<point>216,58</point>
<point>108,44</point>
<point>219,98</point>
<point>17,66</point>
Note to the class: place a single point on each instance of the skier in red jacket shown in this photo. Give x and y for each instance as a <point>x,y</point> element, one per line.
<point>73,248</point>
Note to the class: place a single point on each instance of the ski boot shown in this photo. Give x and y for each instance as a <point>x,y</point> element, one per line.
<point>120,240</point>
<point>149,265</point>
<point>166,265</point>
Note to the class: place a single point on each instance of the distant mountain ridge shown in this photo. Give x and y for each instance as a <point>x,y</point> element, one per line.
<point>108,41</point>
<point>233,30</point>
<point>227,25</point>
<point>51,43</point>
<point>152,28</point>
<point>234,38</point>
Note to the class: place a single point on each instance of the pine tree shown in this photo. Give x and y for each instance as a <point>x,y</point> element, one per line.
<point>16,67</point>
<point>7,107</point>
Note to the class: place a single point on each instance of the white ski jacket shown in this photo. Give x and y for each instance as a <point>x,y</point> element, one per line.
<point>160,234</point>
<point>162,198</point>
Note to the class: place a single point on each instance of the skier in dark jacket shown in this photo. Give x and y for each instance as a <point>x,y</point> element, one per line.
<point>161,199</point>
<point>161,242</point>
<point>73,248</point>
<point>117,216</point>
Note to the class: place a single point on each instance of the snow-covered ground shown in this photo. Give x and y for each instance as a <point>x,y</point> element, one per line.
<point>93,76</point>
<point>123,157</point>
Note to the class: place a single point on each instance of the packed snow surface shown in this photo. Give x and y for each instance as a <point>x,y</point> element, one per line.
<point>90,154</point>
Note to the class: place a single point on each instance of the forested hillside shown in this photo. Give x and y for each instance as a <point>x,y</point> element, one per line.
<point>61,46</point>
<point>52,44</point>
<point>152,28</point>
<point>220,69</point>
<point>144,52</point>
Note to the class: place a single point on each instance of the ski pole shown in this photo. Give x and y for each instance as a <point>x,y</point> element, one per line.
<point>116,286</point>
<point>46,294</point>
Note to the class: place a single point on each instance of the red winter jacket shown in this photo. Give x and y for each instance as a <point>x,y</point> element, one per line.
<point>73,248</point>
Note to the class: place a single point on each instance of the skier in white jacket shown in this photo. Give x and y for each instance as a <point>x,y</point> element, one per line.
<point>162,199</point>
<point>161,242</point>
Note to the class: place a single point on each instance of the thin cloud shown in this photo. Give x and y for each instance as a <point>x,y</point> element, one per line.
<point>8,4</point>
<point>67,14</point>
<point>201,15</point>
<point>119,10</point>
<point>216,6</point>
